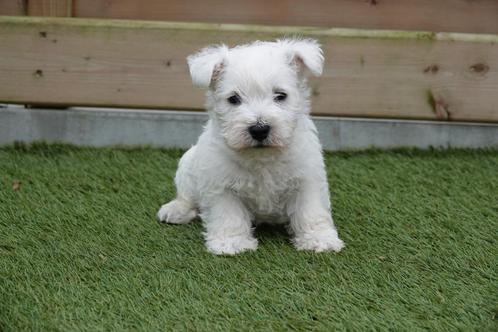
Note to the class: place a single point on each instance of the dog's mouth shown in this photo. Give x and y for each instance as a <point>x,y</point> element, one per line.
<point>261,145</point>
<point>258,146</point>
<point>269,144</point>
<point>267,148</point>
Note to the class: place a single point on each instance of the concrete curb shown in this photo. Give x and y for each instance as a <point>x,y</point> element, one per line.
<point>107,127</point>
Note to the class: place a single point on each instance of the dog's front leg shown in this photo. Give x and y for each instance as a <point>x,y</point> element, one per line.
<point>228,225</point>
<point>311,220</point>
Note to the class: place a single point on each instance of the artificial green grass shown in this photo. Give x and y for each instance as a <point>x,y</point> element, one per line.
<point>80,248</point>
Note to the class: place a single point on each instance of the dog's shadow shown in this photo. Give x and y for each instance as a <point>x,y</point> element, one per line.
<point>272,232</point>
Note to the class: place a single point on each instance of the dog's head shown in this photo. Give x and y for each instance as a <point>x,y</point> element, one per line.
<point>256,92</point>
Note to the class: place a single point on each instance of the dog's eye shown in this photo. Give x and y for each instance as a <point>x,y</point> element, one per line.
<point>280,96</point>
<point>234,100</point>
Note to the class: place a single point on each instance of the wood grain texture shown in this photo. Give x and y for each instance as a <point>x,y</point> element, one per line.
<point>142,64</point>
<point>53,8</point>
<point>12,7</point>
<point>473,16</point>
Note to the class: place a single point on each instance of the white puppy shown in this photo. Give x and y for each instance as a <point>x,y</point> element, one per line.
<point>259,158</point>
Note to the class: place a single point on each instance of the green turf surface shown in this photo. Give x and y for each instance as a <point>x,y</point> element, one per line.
<point>80,248</point>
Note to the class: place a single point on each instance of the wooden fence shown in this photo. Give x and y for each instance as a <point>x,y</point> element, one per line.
<point>373,73</point>
<point>470,16</point>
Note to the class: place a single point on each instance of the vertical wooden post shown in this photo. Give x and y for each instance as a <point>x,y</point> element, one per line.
<point>55,8</point>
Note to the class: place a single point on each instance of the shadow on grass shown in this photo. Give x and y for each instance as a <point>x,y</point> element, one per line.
<point>267,231</point>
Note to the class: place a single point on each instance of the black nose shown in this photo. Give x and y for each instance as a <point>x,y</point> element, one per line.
<point>259,132</point>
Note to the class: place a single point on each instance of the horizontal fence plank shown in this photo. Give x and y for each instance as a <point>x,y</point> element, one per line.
<point>476,16</point>
<point>142,64</point>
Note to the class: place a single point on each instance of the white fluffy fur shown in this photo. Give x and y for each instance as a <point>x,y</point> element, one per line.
<point>231,181</point>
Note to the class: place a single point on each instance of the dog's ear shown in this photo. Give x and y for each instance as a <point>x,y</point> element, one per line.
<point>206,65</point>
<point>305,54</point>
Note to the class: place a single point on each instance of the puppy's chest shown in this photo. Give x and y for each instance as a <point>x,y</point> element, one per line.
<point>266,191</point>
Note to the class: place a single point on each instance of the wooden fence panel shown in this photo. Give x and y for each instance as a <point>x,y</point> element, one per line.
<point>476,16</point>
<point>142,64</point>
<point>54,8</point>
<point>12,7</point>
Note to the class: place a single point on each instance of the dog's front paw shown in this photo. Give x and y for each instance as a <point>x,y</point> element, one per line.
<point>319,241</point>
<point>176,212</point>
<point>231,245</point>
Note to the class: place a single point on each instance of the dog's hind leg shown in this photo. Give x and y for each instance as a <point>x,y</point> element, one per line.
<point>178,211</point>
<point>182,209</point>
